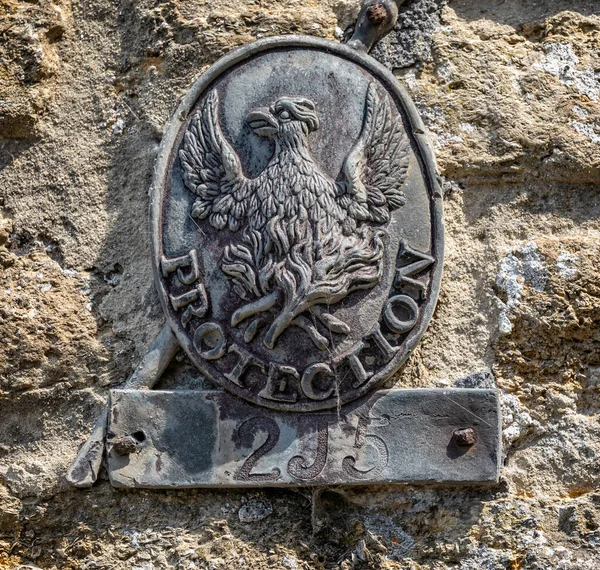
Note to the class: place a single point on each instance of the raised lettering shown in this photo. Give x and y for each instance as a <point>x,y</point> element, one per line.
<point>357,367</point>
<point>308,379</point>
<point>404,274</point>
<point>403,303</point>
<point>248,430</point>
<point>211,334</point>
<point>245,360</point>
<point>362,440</point>
<point>299,467</point>
<point>277,387</point>
<point>188,272</point>
<point>179,301</point>
<point>168,265</point>
<point>382,343</point>
<point>196,311</point>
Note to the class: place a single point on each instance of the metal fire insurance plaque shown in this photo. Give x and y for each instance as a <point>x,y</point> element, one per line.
<point>297,225</point>
<point>297,247</point>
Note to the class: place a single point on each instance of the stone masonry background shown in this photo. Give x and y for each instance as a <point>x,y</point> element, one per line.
<point>510,90</point>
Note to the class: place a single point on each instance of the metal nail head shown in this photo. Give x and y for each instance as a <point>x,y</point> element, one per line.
<point>465,437</point>
<point>377,14</point>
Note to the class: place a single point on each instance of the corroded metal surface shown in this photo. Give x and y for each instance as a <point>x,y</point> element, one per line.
<point>297,224</point>
<point>375,20</point>
<point>202,439</point>
<point>84,470</point>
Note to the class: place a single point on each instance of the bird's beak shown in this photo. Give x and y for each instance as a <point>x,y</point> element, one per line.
<point>262,122</point>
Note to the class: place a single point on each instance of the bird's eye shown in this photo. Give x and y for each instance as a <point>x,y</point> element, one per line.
<point>284,115</point>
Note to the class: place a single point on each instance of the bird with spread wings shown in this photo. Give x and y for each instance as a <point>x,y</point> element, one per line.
<point>305,241</point>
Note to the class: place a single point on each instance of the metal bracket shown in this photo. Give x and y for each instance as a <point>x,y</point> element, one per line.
<point>188,438</point>
<point>84,470</point>
<point>206,438</point>
<point>375,19</point>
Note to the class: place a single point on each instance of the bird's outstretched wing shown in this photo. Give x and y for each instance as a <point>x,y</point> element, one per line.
<point>212,170</point>
<point>373,173</point>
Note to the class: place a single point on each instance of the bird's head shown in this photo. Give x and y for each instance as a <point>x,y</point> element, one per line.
<point>287,116</point>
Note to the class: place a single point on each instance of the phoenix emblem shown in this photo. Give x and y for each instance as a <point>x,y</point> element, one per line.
<point>306,241</point>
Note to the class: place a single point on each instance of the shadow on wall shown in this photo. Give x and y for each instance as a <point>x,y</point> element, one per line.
<point>159,60</point>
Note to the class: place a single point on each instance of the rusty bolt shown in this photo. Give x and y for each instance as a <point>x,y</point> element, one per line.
<point>465,437</point>
<point>125,445</point>
<point>377,14</point>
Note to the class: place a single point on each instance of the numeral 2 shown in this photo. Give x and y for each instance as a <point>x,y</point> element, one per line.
<point>248,430</point>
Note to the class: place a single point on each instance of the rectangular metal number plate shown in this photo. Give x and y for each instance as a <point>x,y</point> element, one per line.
<point>202,439</point>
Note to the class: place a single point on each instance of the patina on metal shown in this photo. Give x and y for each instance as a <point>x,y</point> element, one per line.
<point>86,467</point>
<point>297,224</point>
<point>297,247</point>
<point>465,437</point>
<point>205,439</point>
<point>375,20</point>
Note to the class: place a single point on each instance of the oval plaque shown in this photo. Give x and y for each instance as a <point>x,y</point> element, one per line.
<point>297,224</point>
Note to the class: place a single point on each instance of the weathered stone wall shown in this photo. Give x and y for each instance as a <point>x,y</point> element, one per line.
<point>510,90</point>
